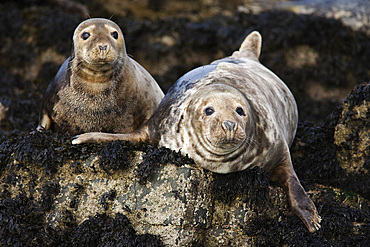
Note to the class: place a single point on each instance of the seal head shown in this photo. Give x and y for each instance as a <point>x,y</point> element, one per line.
<point>222,127</point>
<point>219,124</point>
<point>99,44</point>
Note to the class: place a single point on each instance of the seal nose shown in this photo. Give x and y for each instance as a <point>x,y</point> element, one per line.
<point>228,125</point>
<point>103,48</point>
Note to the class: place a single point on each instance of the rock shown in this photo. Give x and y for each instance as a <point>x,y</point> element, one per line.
<point>352,135</point>
<point>171,202</point>
<point>52,191</point>
<point>336,153</point>
<point>354,14</point>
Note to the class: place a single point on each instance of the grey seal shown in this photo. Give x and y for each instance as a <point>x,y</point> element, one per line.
<point>99,87</point>
<point>227,116</point>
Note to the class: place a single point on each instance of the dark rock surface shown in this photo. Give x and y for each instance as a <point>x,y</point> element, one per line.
<point>119,194</point>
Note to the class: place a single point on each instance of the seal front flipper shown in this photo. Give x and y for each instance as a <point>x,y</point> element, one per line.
<point>140,135</point>
<point>45,122</point>
<point>299,202</point>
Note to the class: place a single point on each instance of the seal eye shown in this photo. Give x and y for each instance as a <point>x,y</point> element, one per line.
<point>209,111</point>
<point>114,35</point>
<point>85,35</point>
<point>240,111</point>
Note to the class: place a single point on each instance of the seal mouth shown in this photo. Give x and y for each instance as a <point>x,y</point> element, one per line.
<point>100,64</point>
<point>225,145</point>
<point>224,139</point>
<point>99,57</point>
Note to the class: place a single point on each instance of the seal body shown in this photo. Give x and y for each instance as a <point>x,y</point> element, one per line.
<point>227,116</point>
<point>99,88</point>
<point>239,114</point>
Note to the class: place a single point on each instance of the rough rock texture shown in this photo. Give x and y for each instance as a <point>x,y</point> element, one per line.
<point>352,135</point>
<point>119,194</point>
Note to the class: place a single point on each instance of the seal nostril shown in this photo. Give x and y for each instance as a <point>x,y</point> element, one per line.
<point>103,48</point>
<point>229,125</point>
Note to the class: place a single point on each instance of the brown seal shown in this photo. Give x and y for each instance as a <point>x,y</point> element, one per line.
<point>99,88</point>
<point>227,116</point>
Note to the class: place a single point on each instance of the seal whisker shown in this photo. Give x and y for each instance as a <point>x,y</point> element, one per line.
<point>251,142</point>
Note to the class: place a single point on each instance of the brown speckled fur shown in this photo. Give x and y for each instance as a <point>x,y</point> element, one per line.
<point>99,89</point>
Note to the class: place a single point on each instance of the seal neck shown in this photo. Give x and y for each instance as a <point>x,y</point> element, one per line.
<point>95,78</point>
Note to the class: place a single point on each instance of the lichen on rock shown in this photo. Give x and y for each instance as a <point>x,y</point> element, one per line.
<point>352,135</point>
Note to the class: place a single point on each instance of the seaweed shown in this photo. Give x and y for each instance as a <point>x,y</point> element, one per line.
<point>154,157</point>
<point>251,185</point>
